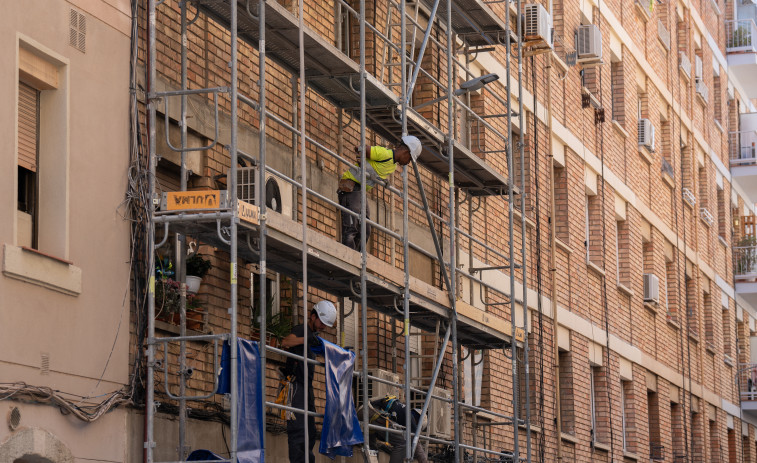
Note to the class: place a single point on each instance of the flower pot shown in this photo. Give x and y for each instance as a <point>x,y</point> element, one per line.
<point>193,284</point>
<point>194,321</point>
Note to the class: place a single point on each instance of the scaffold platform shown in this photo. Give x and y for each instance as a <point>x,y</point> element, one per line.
<point>334,268</point>
<point>474,22</point>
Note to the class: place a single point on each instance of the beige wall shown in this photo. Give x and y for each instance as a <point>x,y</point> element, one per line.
<point>70,312</point>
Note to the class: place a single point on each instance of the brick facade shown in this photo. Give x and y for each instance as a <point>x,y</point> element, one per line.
<point>606,214</point>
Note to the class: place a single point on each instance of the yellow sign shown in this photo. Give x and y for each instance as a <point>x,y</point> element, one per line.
<point>248,212</point>
<point>183,200</point>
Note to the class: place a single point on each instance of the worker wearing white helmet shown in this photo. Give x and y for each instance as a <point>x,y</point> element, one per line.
<point>321,317</point>
<point>382,162</point>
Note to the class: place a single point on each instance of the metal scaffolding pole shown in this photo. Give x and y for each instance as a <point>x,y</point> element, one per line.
<point>511,239</point>
<point>232,182</point>
<point>151,110</point>
<point>260,199</point>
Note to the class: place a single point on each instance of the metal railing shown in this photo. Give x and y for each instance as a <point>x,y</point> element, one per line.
<point>747,381</point>
<point>740,36</point>
<point>742,148</point>
<point>745,261</point>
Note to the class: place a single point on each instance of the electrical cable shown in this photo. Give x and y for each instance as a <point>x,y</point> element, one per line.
<point>540,312</point>
<point>599,128</point>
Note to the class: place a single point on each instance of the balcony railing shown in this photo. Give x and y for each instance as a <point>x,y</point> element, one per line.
<point>741,36</point>
<point>748,382</point>
<point>742,148</point>
<point>745,261</point>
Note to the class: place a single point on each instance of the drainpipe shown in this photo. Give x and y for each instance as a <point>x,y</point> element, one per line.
<point>552,261</point>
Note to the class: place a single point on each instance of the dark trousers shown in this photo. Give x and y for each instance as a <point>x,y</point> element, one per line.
<point>398,449</point>
<point>350,224</point>
<point>296,427</point>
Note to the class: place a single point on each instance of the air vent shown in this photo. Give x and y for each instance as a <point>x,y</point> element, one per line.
<point>14,418</point>
<point>78,31</point>
<point>44,366</point>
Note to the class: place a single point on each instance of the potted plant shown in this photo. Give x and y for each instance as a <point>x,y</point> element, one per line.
<point>197,268</point>
<point>167,299</point>
<point>277,326</point>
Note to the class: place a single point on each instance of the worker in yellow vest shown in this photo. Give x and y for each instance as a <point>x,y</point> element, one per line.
<point>382,162</point>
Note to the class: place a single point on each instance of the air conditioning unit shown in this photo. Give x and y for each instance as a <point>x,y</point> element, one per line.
<point>688,196</point>
<point>702,90</point>
<point>378,389</point>
<point>697,67</point>
<point>685,64</point>
<point>589,44</point>
<point>440,415</point>
<point>278,193</point>
<point>646,134</point>
<point>651,288</point>
<point>538,25</point>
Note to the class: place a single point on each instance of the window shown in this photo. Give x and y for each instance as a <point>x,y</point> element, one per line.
<point>732,455</point>
<point>671,293</point>
<point>703,190</point>
<point>629,417</point>
<point>697,429</point>
<point>42,202</point>
<point>567,411</point>
<point>618,91</point>
<point>722,213</point>
<point>691,304</point>
<point>656,447</point>
<point>716,99</point>
<point>593,229</point>
<point>561,203</point>
<point>715,453</point>
<point>28,124</point>
<point>666,147</point>
<point>728,333</point>
<point>709,321</point>
<point>600,412</point>
<point>676,421</point>
<point>623,253</point>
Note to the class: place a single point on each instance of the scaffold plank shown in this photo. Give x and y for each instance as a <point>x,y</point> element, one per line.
<point>474,22</point>
<point>334,268</point>
<point>328,71</point>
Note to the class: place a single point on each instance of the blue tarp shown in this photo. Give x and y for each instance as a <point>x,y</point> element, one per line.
<point>341,427</point>
<point>250,399</point>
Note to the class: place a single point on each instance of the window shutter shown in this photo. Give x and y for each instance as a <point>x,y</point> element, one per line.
<point>28,117</point>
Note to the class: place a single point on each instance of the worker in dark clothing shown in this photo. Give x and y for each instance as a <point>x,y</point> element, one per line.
<point>322,316</point>
<point>382,162</point>
<point>390,408</point>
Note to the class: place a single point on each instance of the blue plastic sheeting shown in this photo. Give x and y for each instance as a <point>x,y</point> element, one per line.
<point>249,401</point>
<point>203,455</point>
<point>341,427</point>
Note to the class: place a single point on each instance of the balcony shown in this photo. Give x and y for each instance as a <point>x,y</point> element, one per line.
<point>747,382</point>
<point>741,46</point>
<point>742,148</point>
<point>745,269</point>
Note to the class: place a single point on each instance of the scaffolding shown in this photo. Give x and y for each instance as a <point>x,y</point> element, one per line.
<point>382,103</point>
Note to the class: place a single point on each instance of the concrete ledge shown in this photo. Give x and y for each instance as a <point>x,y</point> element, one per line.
<point>41,270</point>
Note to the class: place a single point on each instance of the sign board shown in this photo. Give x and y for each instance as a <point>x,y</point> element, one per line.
<point>248,212</point>
<point>193,200</point>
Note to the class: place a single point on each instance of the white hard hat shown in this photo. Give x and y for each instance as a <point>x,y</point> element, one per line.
<point>414,145</point>
<point>326,312</point>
